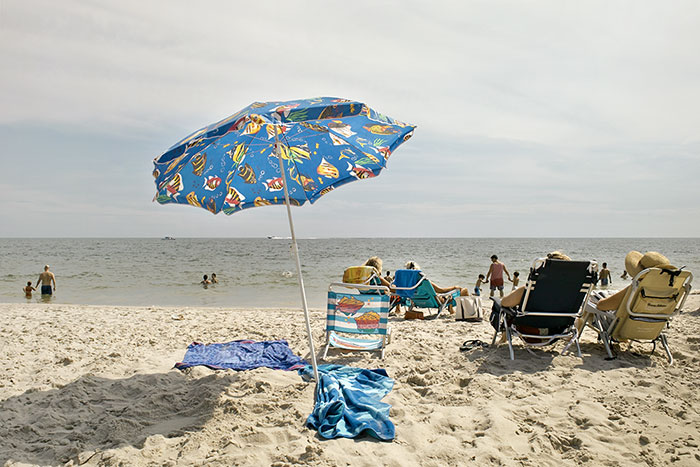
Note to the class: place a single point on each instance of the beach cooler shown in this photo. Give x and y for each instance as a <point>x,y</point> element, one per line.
<point>357,317</point>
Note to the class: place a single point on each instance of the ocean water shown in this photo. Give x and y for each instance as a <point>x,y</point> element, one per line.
<point>260,272</point>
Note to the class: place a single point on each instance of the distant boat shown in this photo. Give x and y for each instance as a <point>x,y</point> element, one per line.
<point>168,238</point>
<point>272,237</point>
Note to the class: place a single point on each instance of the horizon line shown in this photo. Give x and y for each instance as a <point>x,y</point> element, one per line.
<point>345,238</point>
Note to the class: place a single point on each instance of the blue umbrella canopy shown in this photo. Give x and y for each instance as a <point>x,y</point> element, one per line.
<point>233,164</point>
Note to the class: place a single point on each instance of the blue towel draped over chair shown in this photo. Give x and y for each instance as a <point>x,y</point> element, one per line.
<point>405,279</point>
<point>349,403</point>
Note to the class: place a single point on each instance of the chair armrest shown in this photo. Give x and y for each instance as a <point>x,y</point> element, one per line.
<point>511,312</point>
<point>591,308</point>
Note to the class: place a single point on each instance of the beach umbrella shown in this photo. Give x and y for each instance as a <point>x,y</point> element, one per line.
<point>278,153</point>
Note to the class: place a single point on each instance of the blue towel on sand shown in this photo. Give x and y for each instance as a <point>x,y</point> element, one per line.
<point>405,278</point>
<point>241,355</point>
<point>349,402</point>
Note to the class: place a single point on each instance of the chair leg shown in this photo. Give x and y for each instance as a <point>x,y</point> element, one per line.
<point>568,344</point>
<point>510,343</point>
<point>664,342</point>
<point>607,342</point>
<point>604,336</point>
<point>325,351</point>
<point>578,348</point>
<point>440,308</point>
<point>495,335</point>
<point>498,327</point>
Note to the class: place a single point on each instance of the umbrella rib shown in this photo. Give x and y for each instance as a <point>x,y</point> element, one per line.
<point>255,137</point>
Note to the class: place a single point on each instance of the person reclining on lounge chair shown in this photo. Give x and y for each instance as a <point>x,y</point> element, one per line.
<point>642,310</point>
<point>438,289</point>
<point>376,263</point>
<point>514,298</point>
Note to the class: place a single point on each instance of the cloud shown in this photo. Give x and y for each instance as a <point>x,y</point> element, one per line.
<point>522,110</point>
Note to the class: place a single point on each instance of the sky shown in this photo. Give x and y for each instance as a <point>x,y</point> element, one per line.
<point>534,119</point>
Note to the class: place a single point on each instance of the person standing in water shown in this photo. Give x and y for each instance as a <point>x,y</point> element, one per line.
<point>495,273</point>
<point>28,290</point>
<point>516,280</point>
<point>605,277</point>
<point>46,278</point>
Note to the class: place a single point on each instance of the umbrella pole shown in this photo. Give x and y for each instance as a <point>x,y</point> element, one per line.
<point>296,257</point>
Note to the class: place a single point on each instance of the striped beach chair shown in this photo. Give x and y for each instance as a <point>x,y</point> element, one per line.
<point>357,320</point>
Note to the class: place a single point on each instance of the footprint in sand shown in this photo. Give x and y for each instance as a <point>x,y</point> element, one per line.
<point>415,380</point>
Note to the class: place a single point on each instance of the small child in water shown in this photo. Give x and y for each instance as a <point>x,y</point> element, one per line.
<point>477,287</point>
<point>214,280</point>
<point>516,280</point>
<point>205,281</point>
<point>28,290</point>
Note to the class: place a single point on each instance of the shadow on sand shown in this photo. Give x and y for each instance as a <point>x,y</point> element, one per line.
<point>496,360</point>
<point>94,413</point>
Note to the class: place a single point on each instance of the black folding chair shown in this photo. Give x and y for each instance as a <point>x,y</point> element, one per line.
<point>554,294</point>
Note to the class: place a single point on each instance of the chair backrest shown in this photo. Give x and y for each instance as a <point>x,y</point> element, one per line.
<point>652,299</point>
<point>425,296</point>
<point>359,275</point>
<point>357,313</point>
<point>557,287</point>
<point>406,282</point>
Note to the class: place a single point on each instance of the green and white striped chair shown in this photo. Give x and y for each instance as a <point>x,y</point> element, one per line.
<point>357,320</point>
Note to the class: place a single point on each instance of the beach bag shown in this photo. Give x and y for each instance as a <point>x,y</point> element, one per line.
<point>468,309</point>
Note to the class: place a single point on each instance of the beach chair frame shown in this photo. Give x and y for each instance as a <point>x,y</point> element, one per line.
<point>335,331</point>
<point>521,311</point>
<point>605,323</point>
<point>411,303</point>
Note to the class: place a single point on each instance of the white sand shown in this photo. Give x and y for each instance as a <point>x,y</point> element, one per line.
<point>95,385</point>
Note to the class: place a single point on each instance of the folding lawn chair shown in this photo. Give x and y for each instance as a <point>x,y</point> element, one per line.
<point>416,291</point>
<point>553,297</point>
<point>362,315</point>
<point>653,298</point>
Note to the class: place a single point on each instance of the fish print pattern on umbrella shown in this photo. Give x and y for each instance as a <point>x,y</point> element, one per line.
<point>232,164</point>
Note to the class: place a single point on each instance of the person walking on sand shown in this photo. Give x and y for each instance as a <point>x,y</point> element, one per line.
<point>46,278</point>
<point>495,273</point>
